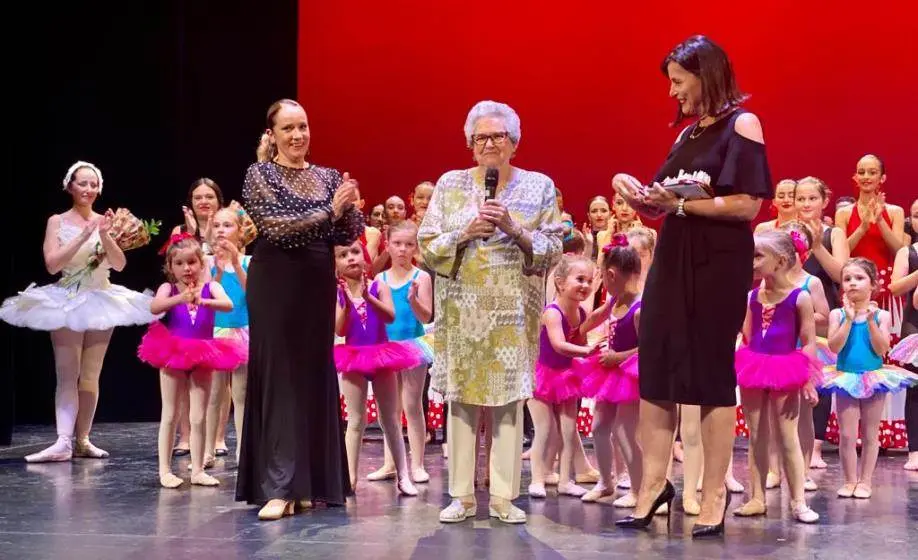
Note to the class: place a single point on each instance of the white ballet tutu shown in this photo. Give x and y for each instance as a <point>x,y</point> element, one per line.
<point>52,307</point>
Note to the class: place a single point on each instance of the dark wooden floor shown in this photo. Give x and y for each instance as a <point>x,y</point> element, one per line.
<point>114,509</point>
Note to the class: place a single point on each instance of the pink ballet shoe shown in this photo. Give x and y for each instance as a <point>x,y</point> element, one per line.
<point>60,451</point>
<point>406,487</point>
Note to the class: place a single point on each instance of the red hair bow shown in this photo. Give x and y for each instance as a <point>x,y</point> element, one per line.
<point>799,244</point>
<point>175,238</point>
<point>618,240</point>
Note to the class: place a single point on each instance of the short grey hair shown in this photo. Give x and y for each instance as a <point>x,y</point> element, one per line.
<point>493,109</point>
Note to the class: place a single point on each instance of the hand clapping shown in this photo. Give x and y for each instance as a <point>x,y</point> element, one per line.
<point>413,291</point>
<point>345,196</point>
<point>105,221</point>
<point>191,223</point>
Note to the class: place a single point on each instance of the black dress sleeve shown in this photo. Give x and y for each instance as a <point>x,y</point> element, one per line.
<point>745,168</point>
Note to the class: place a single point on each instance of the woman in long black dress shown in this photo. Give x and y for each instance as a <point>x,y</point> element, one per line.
<point>292,444</point>
<point>695,296</point>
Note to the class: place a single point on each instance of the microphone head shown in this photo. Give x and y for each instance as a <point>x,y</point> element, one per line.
<point>491,175</point>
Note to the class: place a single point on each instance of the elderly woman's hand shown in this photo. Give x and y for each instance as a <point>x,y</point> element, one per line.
<point>478,229</point>
<point>496,213</point>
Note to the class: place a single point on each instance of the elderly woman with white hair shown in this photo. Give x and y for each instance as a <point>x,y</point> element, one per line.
<point>490,256</point>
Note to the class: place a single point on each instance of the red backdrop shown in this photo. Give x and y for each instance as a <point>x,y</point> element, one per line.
<point>387,85</point>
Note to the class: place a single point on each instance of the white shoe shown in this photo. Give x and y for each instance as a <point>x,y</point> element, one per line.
<point>60,451</point>
<point>537,490</point>
<point>629,500</point>
<point>804,514</point>
<point>457,512</point>
<point>571,489</point>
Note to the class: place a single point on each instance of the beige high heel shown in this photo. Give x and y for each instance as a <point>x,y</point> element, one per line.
<point>275,509</point>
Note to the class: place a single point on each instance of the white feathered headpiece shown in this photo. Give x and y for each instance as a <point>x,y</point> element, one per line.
<point>79,165</point>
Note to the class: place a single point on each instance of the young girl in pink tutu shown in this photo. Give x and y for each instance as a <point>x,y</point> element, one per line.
<point>184,349</point>
<point>611,377</point>
<point>557,386</point>
<point>772,373</point>
<point>804,242</point>
<point>859,332</point>
<point>363,310</point>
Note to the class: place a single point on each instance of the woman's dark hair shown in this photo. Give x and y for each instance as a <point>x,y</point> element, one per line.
<point>209,183</point>
<point>705,59</point>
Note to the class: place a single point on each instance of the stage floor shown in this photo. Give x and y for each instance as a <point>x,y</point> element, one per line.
<point>115,509</point>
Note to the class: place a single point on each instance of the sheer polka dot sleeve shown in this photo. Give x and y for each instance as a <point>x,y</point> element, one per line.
<point>351,224</point>
<point>292,207</point>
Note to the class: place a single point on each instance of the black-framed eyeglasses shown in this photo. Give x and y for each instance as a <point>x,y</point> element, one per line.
<point>496,138</point>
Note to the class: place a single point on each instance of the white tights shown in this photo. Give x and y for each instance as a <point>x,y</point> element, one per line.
<point>78,358</point>
<point>172,384</point>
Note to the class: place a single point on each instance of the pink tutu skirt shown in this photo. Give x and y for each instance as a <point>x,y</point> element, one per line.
<point>161,349</point>
<point>618,384</point>
<point>376,358</point>
<point>556,385</point>
<point>776,372</point>
<point>906,352</point>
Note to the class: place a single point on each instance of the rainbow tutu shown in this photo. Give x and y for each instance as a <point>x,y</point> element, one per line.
<point>863,385</point>
<point>161,349</point>
<point>823,354</point>
<point>618,384</point>
<point>906,352</point>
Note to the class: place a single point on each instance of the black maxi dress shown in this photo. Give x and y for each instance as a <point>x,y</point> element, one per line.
<point>695,297</point>
<point>292,441</point>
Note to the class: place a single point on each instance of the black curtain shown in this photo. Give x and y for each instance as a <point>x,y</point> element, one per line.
<point>157,94</point>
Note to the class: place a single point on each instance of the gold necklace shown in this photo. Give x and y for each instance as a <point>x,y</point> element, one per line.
<point>692,134</point>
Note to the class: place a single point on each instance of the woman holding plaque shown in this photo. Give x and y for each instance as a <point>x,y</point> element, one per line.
<point>695,296</point>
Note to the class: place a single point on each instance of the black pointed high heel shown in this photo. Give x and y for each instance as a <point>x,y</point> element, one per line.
<point>665,497</point>
<point>704,531</point>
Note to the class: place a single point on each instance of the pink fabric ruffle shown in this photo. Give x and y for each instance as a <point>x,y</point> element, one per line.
<point>617,384</point>
<point>776,372</point>
<point>161,349</point>
<point>556,385</point>
<point>376,358</point>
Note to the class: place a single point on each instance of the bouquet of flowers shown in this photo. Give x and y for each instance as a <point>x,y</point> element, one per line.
<point>129,232</point>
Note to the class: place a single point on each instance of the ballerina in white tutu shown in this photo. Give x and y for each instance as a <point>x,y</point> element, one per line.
<point>81,308</point>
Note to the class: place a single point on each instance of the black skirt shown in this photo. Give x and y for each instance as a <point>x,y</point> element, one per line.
<point>693,309</point>
<point>292,439</point>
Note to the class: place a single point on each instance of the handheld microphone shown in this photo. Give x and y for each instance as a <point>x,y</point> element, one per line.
<point>490,183</point>
<point>491,176</point>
